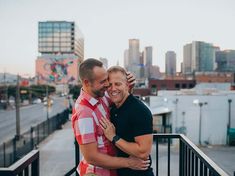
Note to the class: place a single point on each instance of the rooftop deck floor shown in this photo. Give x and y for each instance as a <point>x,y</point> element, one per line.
<point>57,155</point>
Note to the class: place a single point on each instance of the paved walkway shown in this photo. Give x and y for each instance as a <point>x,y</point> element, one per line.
<point>57,155</point>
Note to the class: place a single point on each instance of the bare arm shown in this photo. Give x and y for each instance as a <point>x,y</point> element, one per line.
<point>141,148</point>
<point>94,157</point>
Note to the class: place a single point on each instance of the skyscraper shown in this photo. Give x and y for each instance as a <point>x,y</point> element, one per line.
<point>203,56</point>
<point>104,61</point>
<point>134,57</point>
<point>61,48</point>
<point>61,37</point>
<point>170,63</point>
<point>126,59</point>
<point>225,60</point>
<point>199,56</point>
<point>148,60</point>
<point>187,59</point>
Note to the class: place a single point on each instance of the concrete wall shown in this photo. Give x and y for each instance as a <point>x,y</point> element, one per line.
<point>185,113</point>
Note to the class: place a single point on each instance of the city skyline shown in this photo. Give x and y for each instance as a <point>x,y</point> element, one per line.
<point>107,25</point>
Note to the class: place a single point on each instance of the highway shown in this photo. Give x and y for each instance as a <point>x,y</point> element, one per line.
<point>30,115</point>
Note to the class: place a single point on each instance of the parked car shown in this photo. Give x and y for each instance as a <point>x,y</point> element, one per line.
<point>50,102</point>
<point>37,101</point>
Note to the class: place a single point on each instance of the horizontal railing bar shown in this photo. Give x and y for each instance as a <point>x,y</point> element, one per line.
<point>206,160</point>
<point>202,156</point>
<point>21,164</point>
<point>73,170</point>
<point>196,156</point>
<point>167,135</point>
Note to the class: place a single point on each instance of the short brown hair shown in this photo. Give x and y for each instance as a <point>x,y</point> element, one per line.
<point>86,68</point>
<point>115,69</point>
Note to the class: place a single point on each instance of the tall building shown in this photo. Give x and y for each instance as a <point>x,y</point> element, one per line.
<point>170,63</point>
<point>187,59</point>
<point>148,60</point>
<point>134,58</point>
<point>126,59</point>
<point>60,37</point>
<point>199,57</point>
<point>203,56</point>
<point>225,60</point>
<point>142,65</point>
<point>61,49</point>
<point>104,61</point>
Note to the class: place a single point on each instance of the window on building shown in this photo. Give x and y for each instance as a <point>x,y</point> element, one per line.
<point>154,89</point>
<point>177,86</point>
<point>191,86</point>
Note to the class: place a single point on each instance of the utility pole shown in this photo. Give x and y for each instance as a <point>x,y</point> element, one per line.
<point>229,120</point>
<point>17,104</point>
<point>200,123</point>
<point>47,102</point>
<point>229,113</point>
<point>6,91</point>
<point>176,115</point>
<point>48,122</point>
<point>30,95</point>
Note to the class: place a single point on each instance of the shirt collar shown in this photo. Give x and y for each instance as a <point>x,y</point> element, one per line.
<point>93,101</point>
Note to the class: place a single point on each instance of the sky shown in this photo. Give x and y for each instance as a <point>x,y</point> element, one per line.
<point>107,25</point>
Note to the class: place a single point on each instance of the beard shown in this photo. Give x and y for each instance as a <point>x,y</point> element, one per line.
<point>99,93</point>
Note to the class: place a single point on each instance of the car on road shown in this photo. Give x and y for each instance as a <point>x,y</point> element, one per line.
<point>37,101</point>
<point>50,102</point>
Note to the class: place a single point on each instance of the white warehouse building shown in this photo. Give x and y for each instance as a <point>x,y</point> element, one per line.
<point>185,110</point>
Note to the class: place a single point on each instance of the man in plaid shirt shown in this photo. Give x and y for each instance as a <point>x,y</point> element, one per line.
<point>93,104</point>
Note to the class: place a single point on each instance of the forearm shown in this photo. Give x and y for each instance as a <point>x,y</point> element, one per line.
<point>134,149</point>
<point>106,161</point>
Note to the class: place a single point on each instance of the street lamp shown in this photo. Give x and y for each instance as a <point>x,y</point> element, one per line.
<point>229,112</point>
<point>176,114</point>
<point>200,104</point>
<point>229,119</point>
<point>17,105</point>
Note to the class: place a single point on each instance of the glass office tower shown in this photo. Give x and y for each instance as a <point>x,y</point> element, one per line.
<point>60,37</point>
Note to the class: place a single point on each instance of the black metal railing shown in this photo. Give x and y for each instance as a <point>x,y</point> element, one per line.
<point>28,165</point>
<point>191,160</point>
<point>14,149</point>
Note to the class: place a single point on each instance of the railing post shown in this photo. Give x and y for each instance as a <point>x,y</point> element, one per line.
<point>26,171</point>
<point>14,148</point>
<point>31,137</point>
<point>48,127</point>
<point>4,154</point>
<point>35,167</point>
<point>44,131</point>
<point>169,157</point>
<point>37,134</point>
<point>181,157</point>
<point>77,155</point>
<point>157,170</point>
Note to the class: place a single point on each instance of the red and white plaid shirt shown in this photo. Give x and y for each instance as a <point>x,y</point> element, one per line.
<point>85,122</point>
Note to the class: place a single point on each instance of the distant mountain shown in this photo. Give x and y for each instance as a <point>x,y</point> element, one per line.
<point>9,78</point>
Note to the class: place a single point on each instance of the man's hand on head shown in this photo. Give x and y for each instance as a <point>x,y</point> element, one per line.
<point>131,80</point>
